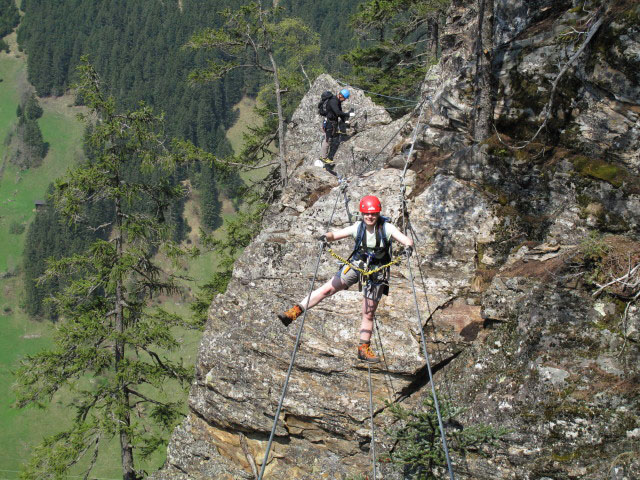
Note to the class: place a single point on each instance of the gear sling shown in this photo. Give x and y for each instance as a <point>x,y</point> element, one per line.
<point>380,255</point>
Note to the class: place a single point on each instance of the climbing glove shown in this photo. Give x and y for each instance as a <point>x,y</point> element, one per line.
<point>323,239</point>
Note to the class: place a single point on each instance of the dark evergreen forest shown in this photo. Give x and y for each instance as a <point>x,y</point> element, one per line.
<point>331,19</point>
<point>137,47</point>
<point>49,237</point>
<point>9,18</point>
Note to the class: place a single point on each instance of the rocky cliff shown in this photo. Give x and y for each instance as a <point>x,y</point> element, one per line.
<point>513,237</point>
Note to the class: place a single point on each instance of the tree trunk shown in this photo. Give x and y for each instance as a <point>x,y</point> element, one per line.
<point>281,150</point>
<point>126,449</point>
<point>434,34</point>
<point>483,111</point>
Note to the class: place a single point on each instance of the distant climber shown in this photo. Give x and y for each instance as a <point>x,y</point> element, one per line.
<point>334,124</point>
<point>372,249</point>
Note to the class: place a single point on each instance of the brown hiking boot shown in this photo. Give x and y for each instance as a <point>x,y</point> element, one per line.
<point>290,315</point>
<point>366,354</point>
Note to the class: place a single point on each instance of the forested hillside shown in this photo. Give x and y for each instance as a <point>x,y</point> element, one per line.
<point>9,18</point>
<point>330,18</point>
<point>137,49</point>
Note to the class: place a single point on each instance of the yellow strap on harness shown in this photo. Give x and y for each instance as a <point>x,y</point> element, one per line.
<point>364,273</point>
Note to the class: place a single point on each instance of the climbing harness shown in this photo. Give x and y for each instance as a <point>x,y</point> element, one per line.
<point>363,271</point>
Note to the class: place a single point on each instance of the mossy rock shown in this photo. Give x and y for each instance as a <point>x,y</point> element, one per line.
<point>626,12</point>
<point>600,170</point>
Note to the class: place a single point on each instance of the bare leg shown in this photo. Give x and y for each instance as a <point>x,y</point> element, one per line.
<point>331,287</point>
<point>325,147</point>
<point>366,327</point>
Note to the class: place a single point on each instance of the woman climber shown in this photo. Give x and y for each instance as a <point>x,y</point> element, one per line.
<point>372,250</point>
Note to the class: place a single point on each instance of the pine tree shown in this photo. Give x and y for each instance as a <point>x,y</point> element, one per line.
<point>210,203</point>
<point>9,17</point>
<point>107,327</point>
<point>255,37</point>
<point>398,42</point>
<point>32,108</point>
<point>31,147</point>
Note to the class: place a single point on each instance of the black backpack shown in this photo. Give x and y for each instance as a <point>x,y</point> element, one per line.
<point>322,105</point>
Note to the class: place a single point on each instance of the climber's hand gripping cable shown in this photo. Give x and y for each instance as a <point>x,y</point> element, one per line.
<point>322,238</point>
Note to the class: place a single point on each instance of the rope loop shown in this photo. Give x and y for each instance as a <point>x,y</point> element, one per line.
<point>363,272</point>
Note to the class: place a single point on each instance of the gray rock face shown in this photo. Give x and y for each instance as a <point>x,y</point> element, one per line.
<point>371,128</point>
<point>597,102</point>
<point>504,283</point>
<point>555,381</point>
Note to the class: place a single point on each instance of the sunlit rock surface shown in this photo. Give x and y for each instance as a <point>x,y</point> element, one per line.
<point>515,335</point>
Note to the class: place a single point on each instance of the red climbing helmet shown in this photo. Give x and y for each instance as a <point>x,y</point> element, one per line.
<point>370,204</point>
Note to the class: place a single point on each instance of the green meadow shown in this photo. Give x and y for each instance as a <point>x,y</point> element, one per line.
<point>246,118</point>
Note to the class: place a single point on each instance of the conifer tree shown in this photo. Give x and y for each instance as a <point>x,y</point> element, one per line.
<point>399,39</point>
<point>29,147</point>
<point>107,328</point>
<point>254,37</point>
<point>210,203</point>
<point>9,19</point>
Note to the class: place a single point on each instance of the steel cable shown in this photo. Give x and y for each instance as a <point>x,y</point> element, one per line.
<point>373,440</point>
<point>295,349</point>
<point>344,185</point>
<point>415,297</point>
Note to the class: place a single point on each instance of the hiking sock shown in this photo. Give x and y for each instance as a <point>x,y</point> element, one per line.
<point>365,332</point>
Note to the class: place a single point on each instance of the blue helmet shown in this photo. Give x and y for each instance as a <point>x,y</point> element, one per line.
<point>345,93</point>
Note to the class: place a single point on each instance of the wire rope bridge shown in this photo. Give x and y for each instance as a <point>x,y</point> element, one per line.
<point>342,191</point>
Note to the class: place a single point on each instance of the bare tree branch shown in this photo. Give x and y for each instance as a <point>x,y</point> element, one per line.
<point>547,108</point>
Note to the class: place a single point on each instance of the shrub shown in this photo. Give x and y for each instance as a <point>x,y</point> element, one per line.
<point>16,228</point>
<point>418,446</point>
